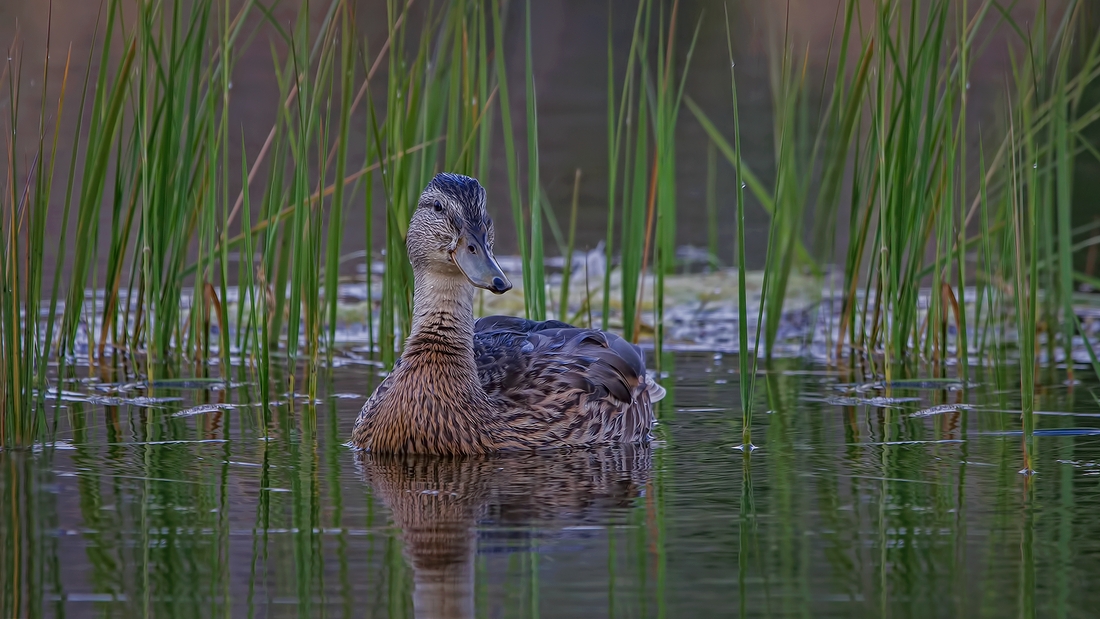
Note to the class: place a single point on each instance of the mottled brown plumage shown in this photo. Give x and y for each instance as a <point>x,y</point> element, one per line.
<point>504,383</point>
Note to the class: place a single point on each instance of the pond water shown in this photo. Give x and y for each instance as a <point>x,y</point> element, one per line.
<point>846,509</point>
<point>178,499</point>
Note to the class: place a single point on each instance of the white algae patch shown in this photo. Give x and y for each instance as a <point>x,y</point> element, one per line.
<point>942,409</point>
<point>879,402</point>
<point>203,409</point>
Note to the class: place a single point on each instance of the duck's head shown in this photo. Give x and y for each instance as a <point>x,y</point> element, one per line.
<point>451,233</point>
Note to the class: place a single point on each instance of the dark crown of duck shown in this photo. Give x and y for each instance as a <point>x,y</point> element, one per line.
<point>451,229</point>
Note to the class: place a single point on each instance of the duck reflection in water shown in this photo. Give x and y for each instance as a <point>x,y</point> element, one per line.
<point>443,506</point>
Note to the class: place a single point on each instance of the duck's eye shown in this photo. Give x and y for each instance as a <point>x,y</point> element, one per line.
<point>438,206</point>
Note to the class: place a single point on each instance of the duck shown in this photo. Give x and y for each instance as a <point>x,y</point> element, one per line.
<point>500,383</point>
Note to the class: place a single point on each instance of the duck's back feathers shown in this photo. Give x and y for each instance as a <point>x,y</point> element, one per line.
<point>579,386</point>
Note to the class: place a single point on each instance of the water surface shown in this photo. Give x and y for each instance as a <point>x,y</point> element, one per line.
<point>846,509</point>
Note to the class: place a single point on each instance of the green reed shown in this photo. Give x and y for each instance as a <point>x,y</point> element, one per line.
<point>642,163</point>
<point>747,368</point>
<point>669,98</point>
<point>913,215</point>
<point>886,131</point>
<point>749,354</point>
<point>17,346</point>
<point>567,252</point>
<point>537,292</point>
<point>157,168</point>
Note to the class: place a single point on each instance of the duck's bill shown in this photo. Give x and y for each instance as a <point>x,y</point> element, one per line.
<point>480,266</point>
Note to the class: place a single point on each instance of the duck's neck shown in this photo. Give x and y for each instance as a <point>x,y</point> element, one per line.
<point>443,324</point>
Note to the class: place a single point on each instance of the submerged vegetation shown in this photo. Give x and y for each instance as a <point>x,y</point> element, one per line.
<point>958,247</point>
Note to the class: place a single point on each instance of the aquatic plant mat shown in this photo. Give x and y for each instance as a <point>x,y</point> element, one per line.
<point>701,314</point>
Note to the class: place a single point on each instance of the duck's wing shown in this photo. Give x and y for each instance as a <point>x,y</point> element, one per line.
<point>580,386</point>
<point>360,434</point>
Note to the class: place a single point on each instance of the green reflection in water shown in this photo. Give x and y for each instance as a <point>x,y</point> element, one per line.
<point>846,510</point>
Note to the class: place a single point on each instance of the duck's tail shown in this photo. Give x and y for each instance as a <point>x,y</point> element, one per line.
<point>656,391</point>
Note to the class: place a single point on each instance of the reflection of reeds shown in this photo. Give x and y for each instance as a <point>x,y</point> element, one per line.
<point>28,551</point>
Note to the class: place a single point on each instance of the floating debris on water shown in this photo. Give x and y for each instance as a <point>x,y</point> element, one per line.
<point>193,381</point>
<point>857,387</point>
<point>879,402</point>
<point>1089,468</point>
<point>1050,432</point>
<point>66,396</point>
<point>942,409</point>
<point>203,409</point>
<point>883,402</point>
<point>64,445</point>
<point>140,402</point>
<point>918,384</point>
<point>927,383</point>
<point>934,442</point>
<point>700,314</point>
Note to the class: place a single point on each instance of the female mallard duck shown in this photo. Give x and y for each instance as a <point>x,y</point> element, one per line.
<point>502,383</point>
